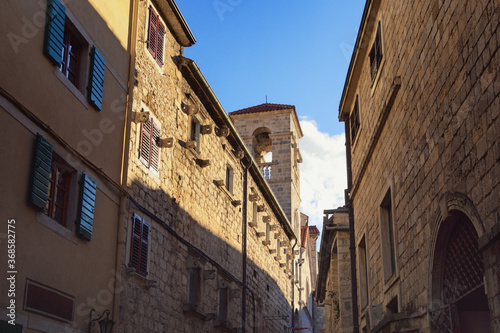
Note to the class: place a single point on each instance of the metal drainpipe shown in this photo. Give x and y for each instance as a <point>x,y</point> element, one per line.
<point>293,288</point>
<point>244,250</point>
<point>352,240</point>
<point>122,214</point>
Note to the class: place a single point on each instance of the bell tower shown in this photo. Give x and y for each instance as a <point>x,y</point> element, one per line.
<point>271,133</point>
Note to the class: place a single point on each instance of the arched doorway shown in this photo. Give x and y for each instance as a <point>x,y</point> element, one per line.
<point>459,303</point>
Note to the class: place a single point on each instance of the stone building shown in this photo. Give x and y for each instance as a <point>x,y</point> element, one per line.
<point>306,274</point>
<point>334,286</point>
<point>64,72</point>
<point>207,246</point>
<point>271,133</point>
<point>421,105</point>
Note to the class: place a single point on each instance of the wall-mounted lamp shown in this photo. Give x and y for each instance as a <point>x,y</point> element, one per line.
<point>105,324</point>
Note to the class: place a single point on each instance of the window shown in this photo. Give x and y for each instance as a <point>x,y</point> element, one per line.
<point>354,121</point>
<point>376,55</point>
<point>223,304</point>
<point>194,285</point>
<point>229,178</point>
<point>139,245</point>
<point>195,133</point>
<point>149,152</point>
<point>387,230</point>
<point>59,190</point>
<point>268,234</point>
<point>278,249</point>
<point>156,36</point>
<point>255,212</point>
<point>51,189</point>
<point>363,273</point>
<point>73,48</point>
<point>66,48</point>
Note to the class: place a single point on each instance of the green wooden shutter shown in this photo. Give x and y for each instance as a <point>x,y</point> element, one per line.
<point>42,163</point>
<point>87,206</point>
<point>96,79</point>
<point>54,31</point>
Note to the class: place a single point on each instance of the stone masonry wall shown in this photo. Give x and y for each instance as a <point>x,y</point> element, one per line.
<point>440,137</point>
<point>184,197</point>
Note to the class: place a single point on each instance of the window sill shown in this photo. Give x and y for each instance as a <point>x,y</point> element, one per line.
<point>56,227</point>
<point>193,309</point>
<point>148,283</point>
<point>71,87</point>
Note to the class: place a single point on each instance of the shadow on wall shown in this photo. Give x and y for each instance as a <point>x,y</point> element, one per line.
<point>193,277</point>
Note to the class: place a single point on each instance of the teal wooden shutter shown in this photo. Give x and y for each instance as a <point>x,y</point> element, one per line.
<point>96,79</point>
<point>87,205</point>
<point>54,31</point>
<point>42,163</point>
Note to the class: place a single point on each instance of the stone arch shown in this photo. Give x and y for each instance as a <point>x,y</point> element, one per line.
<point>262,143</point>
<point>457,296</point>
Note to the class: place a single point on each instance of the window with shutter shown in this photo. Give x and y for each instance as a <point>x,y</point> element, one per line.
<point>139,245</point>
<point>149,152</point>
<point>51,181</point>
<point>96,79</point>
<point>87,204</point>
<point>156,36</point>
<point>66,47</point>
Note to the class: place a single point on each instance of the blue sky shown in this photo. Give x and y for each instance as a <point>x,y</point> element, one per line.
<point>295,52</point>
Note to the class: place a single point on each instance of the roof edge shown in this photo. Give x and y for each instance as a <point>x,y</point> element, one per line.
<point>176,22</point>
<point>354,54</point>
<point>195,73</point>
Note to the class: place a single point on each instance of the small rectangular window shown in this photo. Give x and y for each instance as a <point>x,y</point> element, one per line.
<point>229,178</point>
<point>376,55</point>
<point>139,245</point>
<point>194,285</point>
<point>255,212</point>
<point>363,273</point>
<point>195,132</point>
<point>387,230</point>
<point>223,303</point>
<point>354,121</point>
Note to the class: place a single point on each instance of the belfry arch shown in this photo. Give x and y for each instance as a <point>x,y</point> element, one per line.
<point>262,144</point>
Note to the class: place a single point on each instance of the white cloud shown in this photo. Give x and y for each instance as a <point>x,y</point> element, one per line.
<point>323,175</point>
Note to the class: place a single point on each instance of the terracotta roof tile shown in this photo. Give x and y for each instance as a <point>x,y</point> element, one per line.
<point>263,108</point>
<point>313,230</point>
<point>269,107</point>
